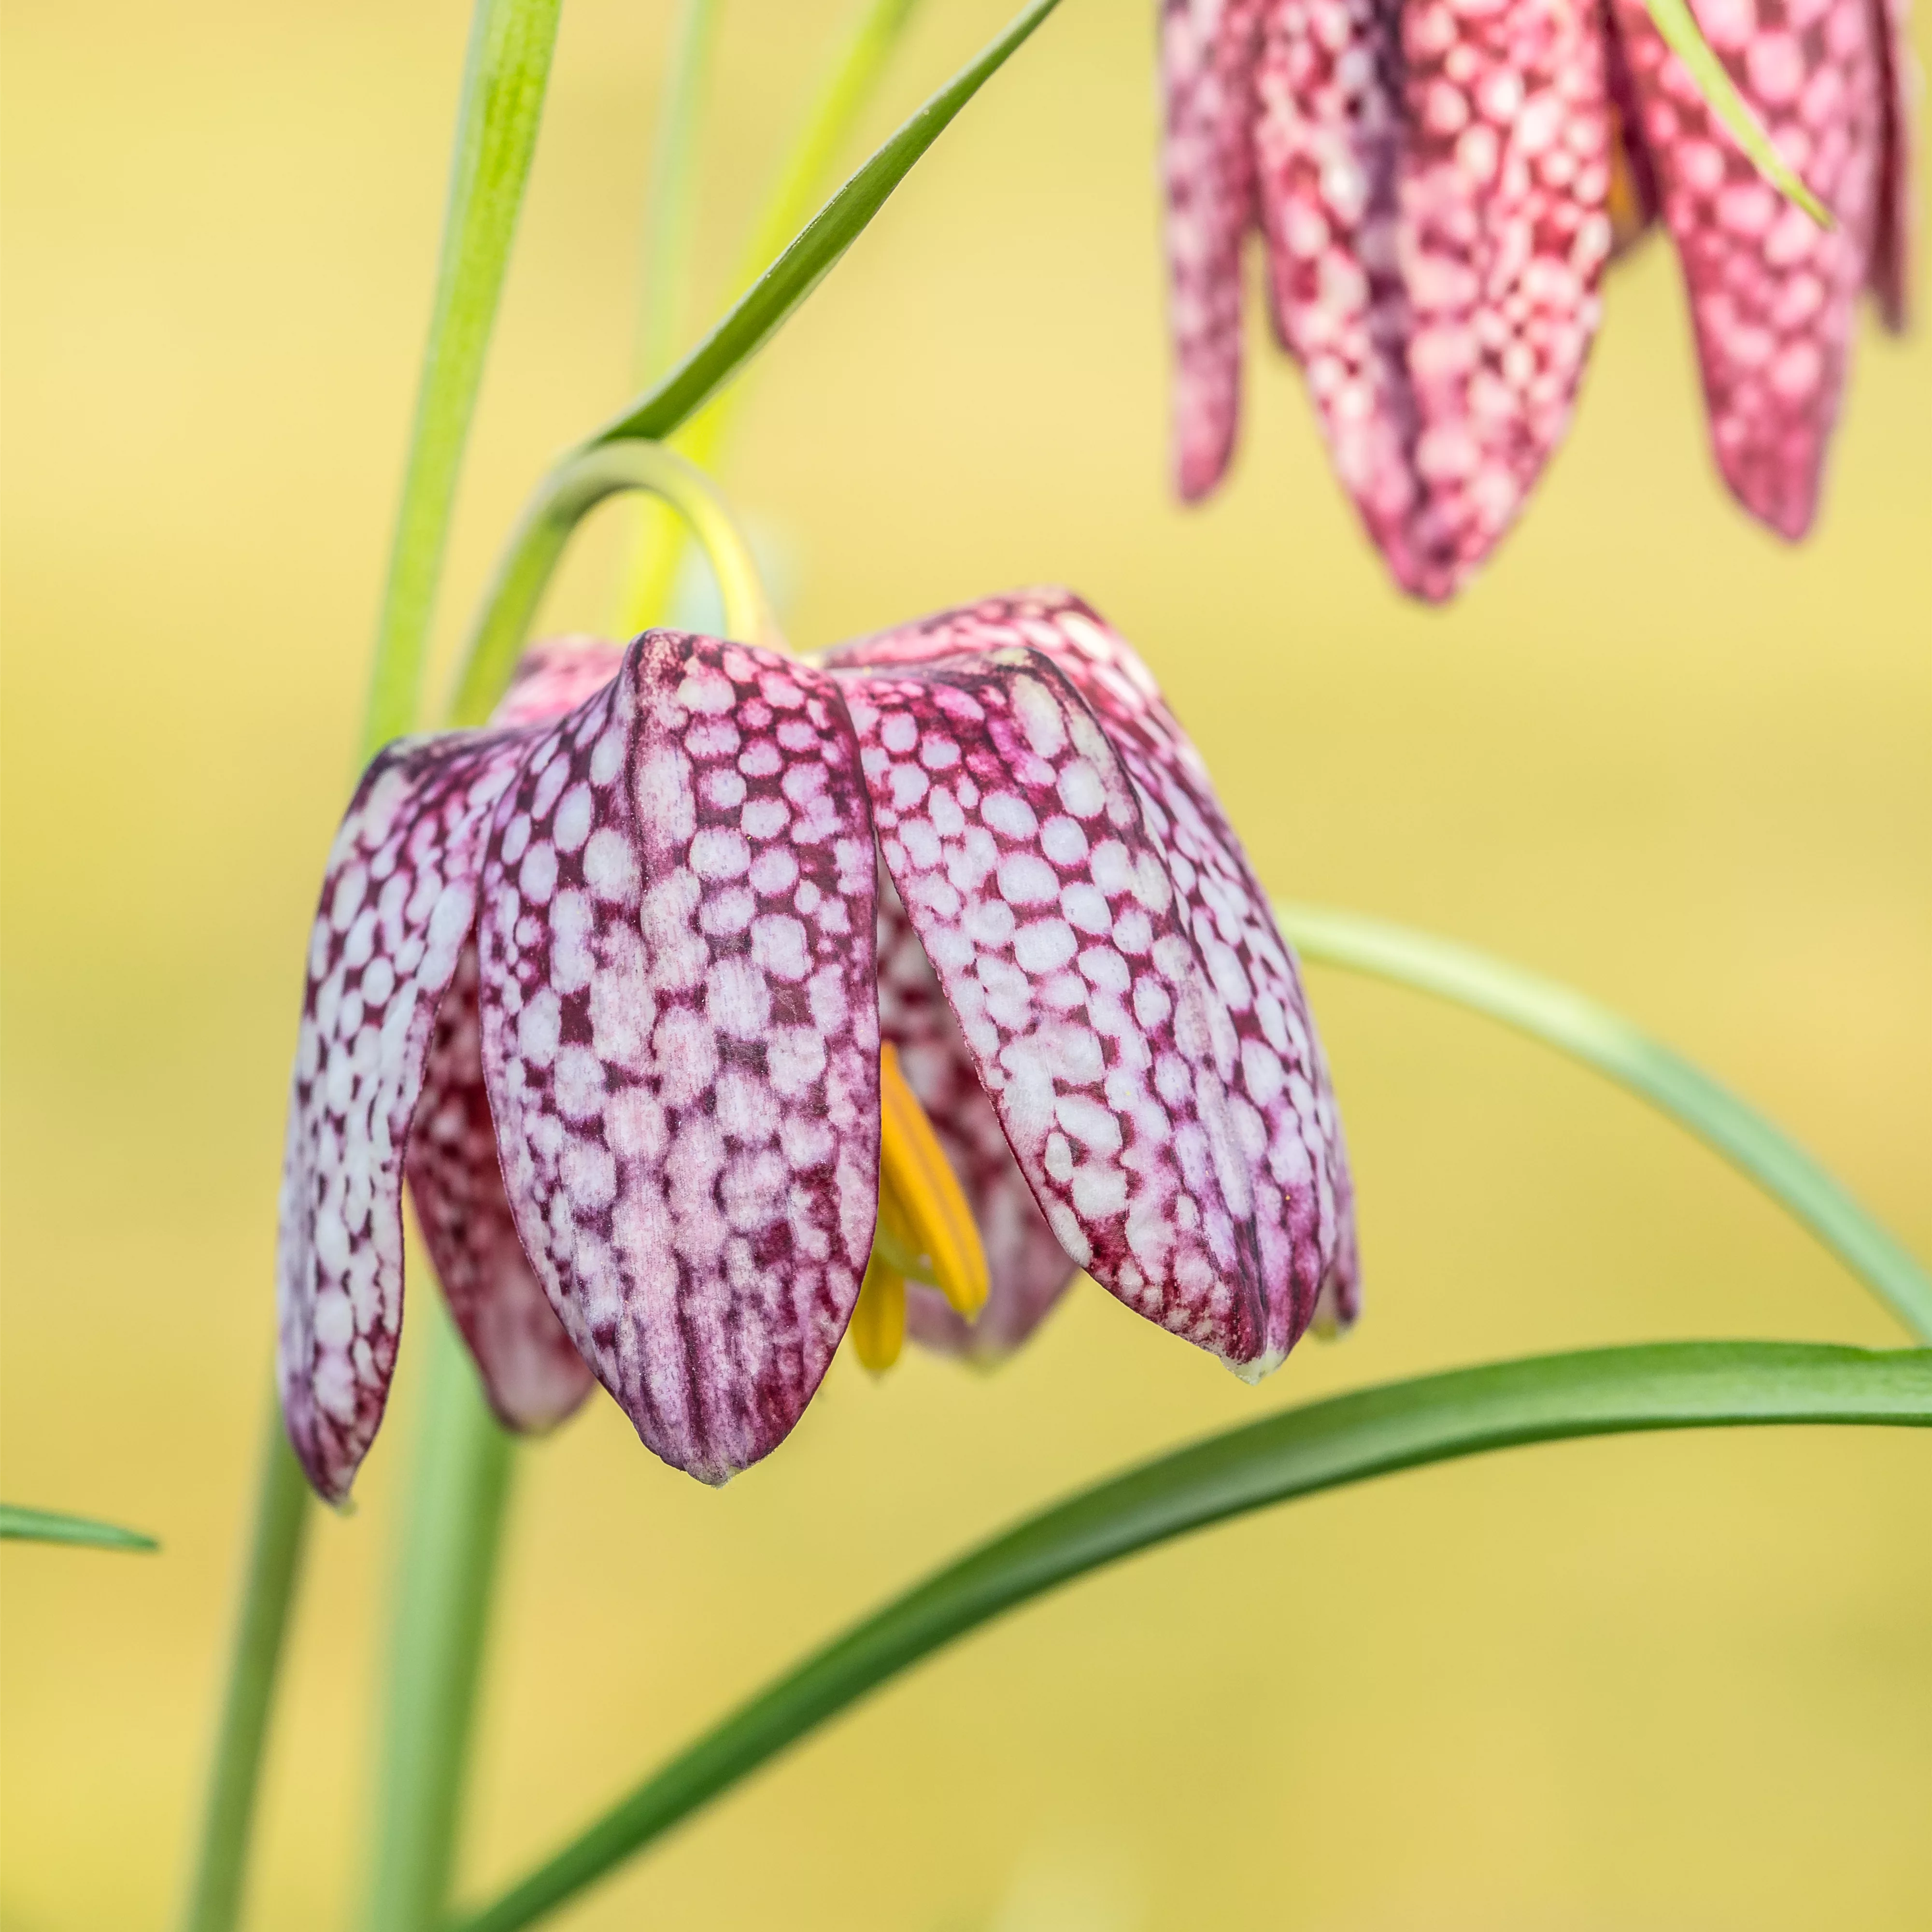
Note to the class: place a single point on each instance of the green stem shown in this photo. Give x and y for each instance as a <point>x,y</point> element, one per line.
<point>561,501</point>
<point>843,97</point>
<point>508,67</point>
<point>274,1563</point>
<point>666,268</point>
<point>450,1543</point>
<point>506,72</point>
<point>1579,1027</point>
<point>1323,1445</point>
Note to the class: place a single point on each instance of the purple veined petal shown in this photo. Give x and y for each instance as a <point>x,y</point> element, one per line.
<point>531,1371</point>
<point>1891,274</point>
<point>1279,1093</point>
<point>1432,182</point>
<point>1027,1269</point>
<point>1208,55</point>
<point>556,675</point>
<point>680,1037</point>
<point>1772,295</point>
<point>398,901</point>
<point>1013,836</point>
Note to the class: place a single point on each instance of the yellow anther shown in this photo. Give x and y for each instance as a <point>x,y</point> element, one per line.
<point>1623,204</point>
<point>926,1229</point>
<point>878,1322</point>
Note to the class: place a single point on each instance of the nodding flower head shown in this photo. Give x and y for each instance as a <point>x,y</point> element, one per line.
<point>1439,184</point>
<point>712,1001</point>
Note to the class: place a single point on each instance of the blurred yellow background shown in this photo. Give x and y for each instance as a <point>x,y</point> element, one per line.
<point>1672,1683</point>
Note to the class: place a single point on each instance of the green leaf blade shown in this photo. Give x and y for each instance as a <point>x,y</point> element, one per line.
<point>18,1524</point>
<point>756,316</point>
<point>1579,1027</point>
<point>1674,20</point>
<point>1299,1452</point>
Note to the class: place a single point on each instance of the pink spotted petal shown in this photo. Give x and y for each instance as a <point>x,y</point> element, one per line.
<point>557,676</point>
<point>1207,54</point>
<point>1027,1269</point>
<point>680,1037</point>
<point>398,900</point>
<point>1097,940</point>
<point>1772,294</point>
<point>1896,221</point>
<point>531,1370</point>
<point>1432,182</point>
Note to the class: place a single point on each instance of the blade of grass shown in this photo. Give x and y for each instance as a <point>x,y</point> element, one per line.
<point>510,43</point>
<point>18,1524</point>
<point>1579,1027</point>
<point>1675,21</point>
<point>1346,1439</point>
<point>756,316</point>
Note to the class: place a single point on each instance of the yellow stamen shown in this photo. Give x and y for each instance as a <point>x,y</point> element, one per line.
<point>1623,204</point>
<point>924,1225</point>
<point>878,1322</point>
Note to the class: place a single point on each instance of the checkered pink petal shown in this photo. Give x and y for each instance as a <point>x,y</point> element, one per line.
<point>1432,184</point>
<point>1027,1270</point>
<point>1896,223</point>
<point>531,1371</point>
<point>1207,54</point>
<point>1113,968</point>
<point>556,675</point>
<point>1772,295</point>
<point>680,1037</point>
<point>398,900</point>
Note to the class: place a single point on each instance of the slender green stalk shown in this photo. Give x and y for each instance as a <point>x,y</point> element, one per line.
<point>511,42</point>
<point>564,498</point>
<point>506,72</point>
<point>668,211</point>
<point>1579,1027</point>
<point>18,1524</point>
<point>274,1564</point>
<point>1323,1445</point>
<point>673,199</point>
<point>450,1544</point>
<point>847,91</point>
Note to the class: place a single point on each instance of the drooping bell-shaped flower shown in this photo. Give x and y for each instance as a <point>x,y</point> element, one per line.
<point>708,985</point>
<point>1439,184</point>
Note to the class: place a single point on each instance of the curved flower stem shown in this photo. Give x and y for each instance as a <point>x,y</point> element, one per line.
<point>274,1564</point>
<point>1323,1445</point>
<point>508,68</point>
<point>845,93</point>
<point>1579,1027</point>
<point>564,498</point>
<point>449,1549</point>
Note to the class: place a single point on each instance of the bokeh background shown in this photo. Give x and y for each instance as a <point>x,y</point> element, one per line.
<point>1671,1683</point>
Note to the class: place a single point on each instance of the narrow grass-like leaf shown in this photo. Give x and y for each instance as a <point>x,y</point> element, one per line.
<point>1675,21</point>
<point>756,316</point>
<point>510,43</point>
<point>1579,1027</point>
<point>1346,1439</point>
<point>20,1524</point>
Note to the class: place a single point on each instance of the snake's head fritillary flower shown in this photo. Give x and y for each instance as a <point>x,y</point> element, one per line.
<point>710,997</point>
<point>1439,184</point>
